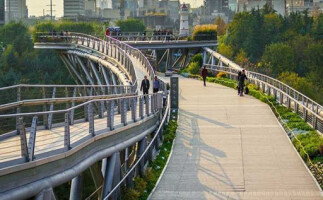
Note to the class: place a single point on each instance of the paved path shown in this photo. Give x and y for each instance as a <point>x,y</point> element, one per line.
<point>231,147</point>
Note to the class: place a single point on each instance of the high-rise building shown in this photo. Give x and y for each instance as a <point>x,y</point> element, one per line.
<point>15,10</point>
<point>2,13</point>
<point>217,6</point>
<point>73,8</point>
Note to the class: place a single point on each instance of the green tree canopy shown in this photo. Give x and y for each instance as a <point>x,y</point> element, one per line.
<point>131,25</point>
<point>278,57</point>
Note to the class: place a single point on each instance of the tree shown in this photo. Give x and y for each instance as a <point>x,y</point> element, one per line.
<point>318,27</point>
<point>272,28</point>
<point>221,27</point>
<point>313,61</point>
<point>198,58</point>
<point>278,58</point>
<point>131,25</point>
<point>299,83</point>
<point>225,50</point>
<point>242,58</point>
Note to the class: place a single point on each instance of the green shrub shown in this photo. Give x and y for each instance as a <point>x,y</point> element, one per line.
<point>140,184</point>
<point>197,58</point>
<point>131,194</point>
<point>193,68</point>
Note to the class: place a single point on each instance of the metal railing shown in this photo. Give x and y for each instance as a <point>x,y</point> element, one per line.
<point>97,117</point>
<point>285,95</point>
<point>136,53</point>
<point>142,159</point>
<point>121,55</point>
<point>19,95</point>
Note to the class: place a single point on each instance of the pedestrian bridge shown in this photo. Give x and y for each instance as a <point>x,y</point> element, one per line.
<point>227,147</point>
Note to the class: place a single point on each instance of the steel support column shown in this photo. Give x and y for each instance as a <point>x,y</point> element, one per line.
<point>76,188</point>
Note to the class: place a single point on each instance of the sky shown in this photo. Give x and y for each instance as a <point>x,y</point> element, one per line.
<point>36,7</point>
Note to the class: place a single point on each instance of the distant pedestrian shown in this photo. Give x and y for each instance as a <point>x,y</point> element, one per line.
<point>204,74</point>
<point>145,85</point>
<point>239,74</point>
<point>156,85</point>
<point>241,81</point>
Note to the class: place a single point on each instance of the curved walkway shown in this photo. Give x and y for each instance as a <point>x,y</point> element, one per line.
<point>231,147</point>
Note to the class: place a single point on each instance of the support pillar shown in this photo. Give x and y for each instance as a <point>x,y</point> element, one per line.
<point>76,188</point>
<point>141,148</point>
<point>112,175</point>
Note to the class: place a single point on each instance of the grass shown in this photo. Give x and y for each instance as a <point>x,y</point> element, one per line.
<point>144,185</point>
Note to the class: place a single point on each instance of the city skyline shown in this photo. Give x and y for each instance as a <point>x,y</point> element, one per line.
<point>37,8</point>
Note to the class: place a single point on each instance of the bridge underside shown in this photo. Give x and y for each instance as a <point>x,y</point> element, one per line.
<point>88,67</point>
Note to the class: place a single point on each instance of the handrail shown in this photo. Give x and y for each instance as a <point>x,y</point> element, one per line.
<point>153,105</point>
<point>311,111</point>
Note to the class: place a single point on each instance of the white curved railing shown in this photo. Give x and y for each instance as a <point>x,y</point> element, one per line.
<point>308,109</point>
<point>109,49</point>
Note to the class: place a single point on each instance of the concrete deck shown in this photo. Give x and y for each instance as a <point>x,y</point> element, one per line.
<point>231,147</point>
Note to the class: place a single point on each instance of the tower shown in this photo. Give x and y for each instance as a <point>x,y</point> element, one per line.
<point>184,28</point>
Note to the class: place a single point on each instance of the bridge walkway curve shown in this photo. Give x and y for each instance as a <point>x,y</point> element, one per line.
<point>231,147</point>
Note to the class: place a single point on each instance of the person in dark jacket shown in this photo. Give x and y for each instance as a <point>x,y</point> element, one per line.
<point>145,85</point>
<point>204,74</point>
<point>239,74</point>
<point>241,80</point>
<point>156,85</point>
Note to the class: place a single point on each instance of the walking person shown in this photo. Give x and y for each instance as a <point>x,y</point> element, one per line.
<point>239,74</point>
<point>145,86</point>
<point>204,74</point>
<point>156,85</point>
<point>241,80</point>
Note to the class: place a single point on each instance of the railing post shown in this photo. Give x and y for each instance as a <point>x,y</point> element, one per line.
<point>141,107</point>
<point>45,118</point>
<point>123,110</point>
<point>296,107</point>
<point>67,135</point>
<point>304,113</point>
<point>23,139</point>
<point>281,100</point>
<point>314,121</point>
<point>18,108</point>
<point>152,104</point>
<point>101,113</point>
<point>72,111</point>
<point>147,104</point>
<point>32,139</point>
<point>91,119</point>
<point>110,114</point>
<point>288,102</point>
<point>51,108</point>
<point>275,94</point>
<point>134,109</point>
